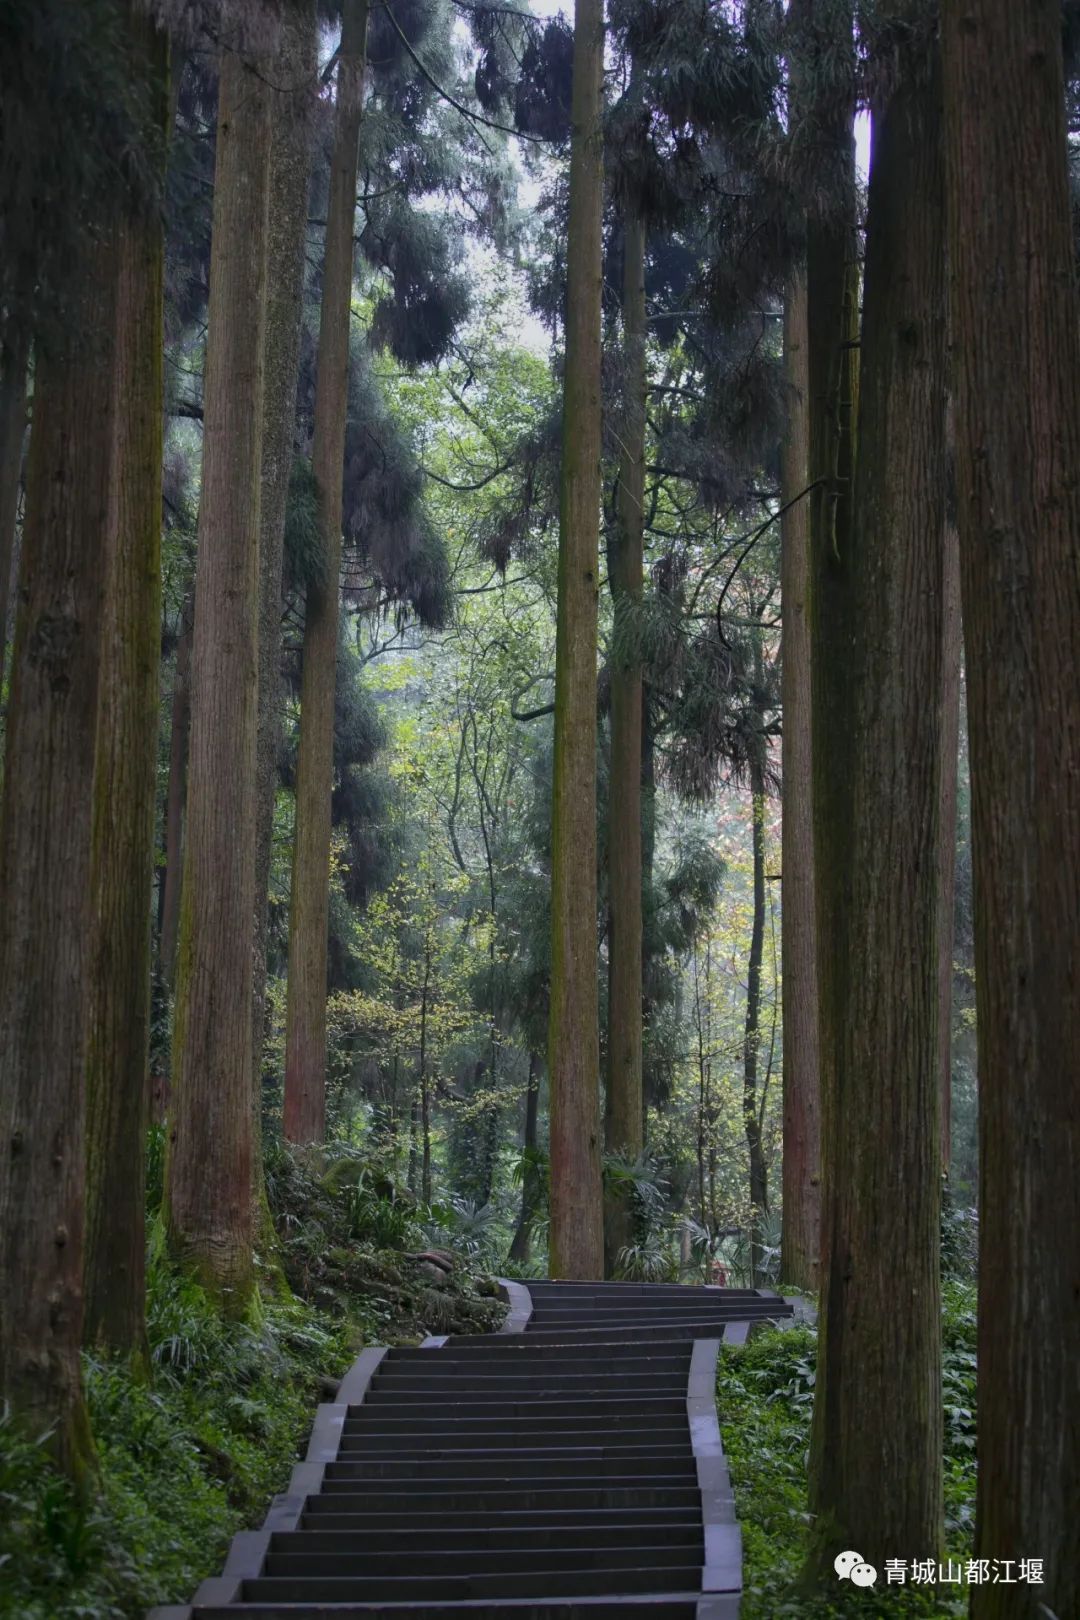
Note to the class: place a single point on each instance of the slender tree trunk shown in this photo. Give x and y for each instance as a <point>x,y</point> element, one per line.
<point>45,831</point>
<point>176,793</point>
<point>759,1187</point>
<point>951,655</point>
<point>125,783</point>
<point>412,1174</point>
<point>648,850</point>
<point>520,1247</point>
<point>13,362</point>
<point>305,1019</point>
<point>801,1231</point>
<point>624,1123</point>
<point>426,1188</point>
<point>208,1182</point>
<point>1015,318</point>
<point>291,122</point>
<point>877,1407</point>
<point>577,1219</point>
<point>425,1180</point>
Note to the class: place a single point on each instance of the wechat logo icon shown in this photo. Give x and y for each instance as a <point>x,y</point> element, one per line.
<point>850,1566</point>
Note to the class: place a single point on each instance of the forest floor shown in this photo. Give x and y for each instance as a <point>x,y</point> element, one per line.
<point>765,1394</point>
<point>193,1451</point>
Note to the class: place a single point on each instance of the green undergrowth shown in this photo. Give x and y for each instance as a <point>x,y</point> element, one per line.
<point>194,1452</point>
<point>765,1397</point>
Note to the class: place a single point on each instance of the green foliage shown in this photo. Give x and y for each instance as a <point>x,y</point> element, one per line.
<point>765,1394</point>
<point>959,1239</point>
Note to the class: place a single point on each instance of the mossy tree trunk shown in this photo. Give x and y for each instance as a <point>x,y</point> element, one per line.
<point>208,1173</point>
<point>577,1221</point>
<point>125,784</point>
<point>45,836</point>
<point>800,1252</point>
<point>624,1122</point>
<point>305,1024</point>
<point>876,1450</point>
<point>1017,382</point>
<point>292,106</point>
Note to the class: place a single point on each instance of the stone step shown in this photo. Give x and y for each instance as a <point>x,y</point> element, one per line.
<point>523,1350</point>
<point>531,1584</point>
<point>469,1561</point>
<point>568,1372</point>
<point>521,1469</point>
<point>322,1513</point>
<point>521,1416</point>
<point>474,1448</point>
<point>506,1495</point>
<point>646,1606</point>
<point>518,1387</point>
<point>433,1534</point>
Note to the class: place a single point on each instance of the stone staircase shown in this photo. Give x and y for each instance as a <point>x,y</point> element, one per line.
<point>566,1468</point>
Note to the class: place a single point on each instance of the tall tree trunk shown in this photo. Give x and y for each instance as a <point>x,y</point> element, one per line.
<point>305,1019</point>
<point>624,1124</point>
<point>291,123</point>
<point>951,655</point>
<point>13,362</point>
<point>800,1252</point>
<point>125,784</point>
<point>759,1187</point>
<point>208,1181</point>
<point>832,276</point>
<point>45,831</point>
<point>577,1218</point>
<point>521,1245</point>
<point>1015,318</point>
<point>877,1408</point>
<point>176,792</point>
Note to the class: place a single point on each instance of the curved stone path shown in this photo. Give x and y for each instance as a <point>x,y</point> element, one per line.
<point>568,1467</point>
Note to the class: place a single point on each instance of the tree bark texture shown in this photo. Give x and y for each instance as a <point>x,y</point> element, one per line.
<point>801,1230</point>
<point>305,1021</point>
<point>1017,378</point>
<point>291,123</point>
<point>125,784</point>
<point>13,361</point>
<point>45,831</point>
<point>577,1225</point>
<point>624,1123</point>
<point>176,792</point>
<point>208,1185</point>
<point>877,1440</point>
<point>951,658</point>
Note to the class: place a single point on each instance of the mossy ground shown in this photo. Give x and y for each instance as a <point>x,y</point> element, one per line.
<point>764,1397</point>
